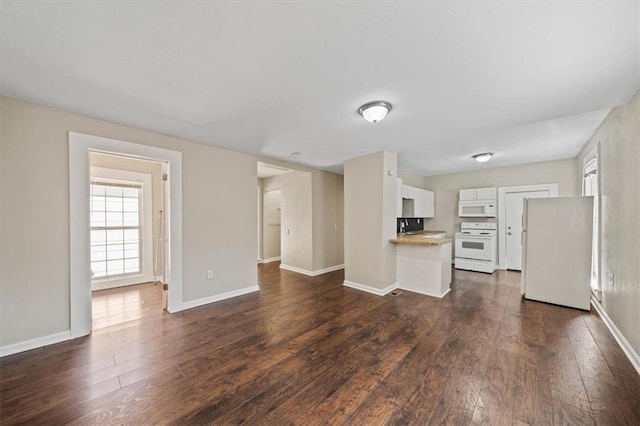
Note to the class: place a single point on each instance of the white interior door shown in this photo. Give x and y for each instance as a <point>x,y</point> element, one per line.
<point>272,223</point>
<point>513,209</point>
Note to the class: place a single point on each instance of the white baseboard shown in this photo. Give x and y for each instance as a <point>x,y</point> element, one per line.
<point>35,343</point>
<point>424,293</point>
<point>218,297</point>
<point>270,259</point>
<point>326,270</point>
<point>160,279</point>
<point>368,289</point>
<point>617,335</point>
<point>311,273</point>
<point>296,269</point>
<point>121,282</point>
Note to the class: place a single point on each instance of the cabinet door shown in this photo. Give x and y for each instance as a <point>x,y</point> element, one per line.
<point>399,197</point>
<point>467,195</point>
<point>487,193</point>
<point>419,202</point>
<point>429,204</point>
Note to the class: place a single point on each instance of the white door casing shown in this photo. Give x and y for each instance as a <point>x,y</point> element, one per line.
<point>552,189</point>
<point>79,279</point>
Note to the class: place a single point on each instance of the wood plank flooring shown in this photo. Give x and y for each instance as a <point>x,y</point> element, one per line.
<point>118,305</point>
<point>309,351</point>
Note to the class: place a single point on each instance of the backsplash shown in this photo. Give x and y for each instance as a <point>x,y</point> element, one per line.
<point>410,224</point>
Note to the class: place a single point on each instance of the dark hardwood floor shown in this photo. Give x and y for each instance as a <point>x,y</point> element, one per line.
<point>309,351</point>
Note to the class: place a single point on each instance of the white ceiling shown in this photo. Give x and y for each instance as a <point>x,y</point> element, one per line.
<point>530,81</point>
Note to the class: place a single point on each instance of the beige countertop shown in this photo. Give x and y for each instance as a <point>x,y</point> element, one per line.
<point>421,238</point>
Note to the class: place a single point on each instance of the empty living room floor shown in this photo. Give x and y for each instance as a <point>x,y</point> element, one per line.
<point>309,351</point>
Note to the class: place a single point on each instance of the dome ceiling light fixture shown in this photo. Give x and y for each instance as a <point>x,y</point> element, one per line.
<point>374,111</point>
<point>483,158</point>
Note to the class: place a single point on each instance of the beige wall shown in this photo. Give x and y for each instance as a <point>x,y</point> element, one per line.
<point>328,220</point>
<point>412,180</point>
<point>152,168</point>
<point>619,203</point>
<point>370,219</point>
<point>446,187</point>
<point>219,219</point>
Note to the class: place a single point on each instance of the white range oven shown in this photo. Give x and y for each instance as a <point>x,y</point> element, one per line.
<point>476,247</point>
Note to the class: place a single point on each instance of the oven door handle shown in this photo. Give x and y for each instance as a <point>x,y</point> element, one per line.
<point>476,237</point>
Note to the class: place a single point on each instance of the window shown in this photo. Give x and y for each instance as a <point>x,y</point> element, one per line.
<point>116,233</point>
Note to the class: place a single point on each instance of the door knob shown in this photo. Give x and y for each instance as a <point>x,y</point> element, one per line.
<point>508,227</point>
<point>508,233</point>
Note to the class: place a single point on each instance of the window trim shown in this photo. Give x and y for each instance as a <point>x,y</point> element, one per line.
<point>146,222</point>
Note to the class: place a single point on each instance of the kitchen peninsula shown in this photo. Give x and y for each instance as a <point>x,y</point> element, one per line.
<point>423,262</point>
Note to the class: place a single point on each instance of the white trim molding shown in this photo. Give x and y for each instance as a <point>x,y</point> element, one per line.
<point>502,210</point>
<point>270,259</point>
<point>311,273</point>
<point>327,270</point>
<point>35,343</point>
<point>218,297</point>
<point>369,289</point>
<point>80,145</point>
<point>399,286</point>
<point>633,356</point>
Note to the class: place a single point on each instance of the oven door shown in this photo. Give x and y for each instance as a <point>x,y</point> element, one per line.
<point>474,247</point>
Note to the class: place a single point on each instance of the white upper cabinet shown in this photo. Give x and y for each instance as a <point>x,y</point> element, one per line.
<point>430,208</point>
<point>416,202</point>
<point>483,194</point>
<point>467,195</point>
<point>479,194</point>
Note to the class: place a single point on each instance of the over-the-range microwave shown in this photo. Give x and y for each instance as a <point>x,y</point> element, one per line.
<point>477,208</point>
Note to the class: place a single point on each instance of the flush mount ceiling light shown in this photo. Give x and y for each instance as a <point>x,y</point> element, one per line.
<point>482,158</point>
<point>374,111</point>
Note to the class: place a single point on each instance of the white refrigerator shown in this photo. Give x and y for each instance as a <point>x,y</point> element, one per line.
<point>556,250</point>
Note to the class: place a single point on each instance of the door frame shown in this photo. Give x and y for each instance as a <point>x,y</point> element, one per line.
<point>502,210</point>
<point>80,145</point>
<point>592,155</point>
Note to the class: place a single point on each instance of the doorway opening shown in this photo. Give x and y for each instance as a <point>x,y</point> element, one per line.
<point>271,180</point>
<point>81,146</point>
<point>126,197</point>
<point>510,208</point>
<point>590,187</point>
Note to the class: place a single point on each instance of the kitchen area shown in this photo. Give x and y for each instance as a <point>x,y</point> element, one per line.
<point>548,239</point>
<point>423,257</point>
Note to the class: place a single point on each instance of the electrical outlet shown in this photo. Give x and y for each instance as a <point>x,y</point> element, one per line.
<point>209,274</point>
